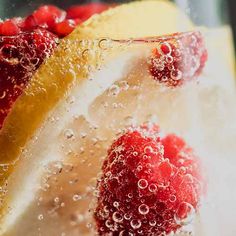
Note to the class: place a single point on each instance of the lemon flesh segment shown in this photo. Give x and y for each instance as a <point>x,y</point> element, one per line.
<point>69,67</point>
<point>135,20</point>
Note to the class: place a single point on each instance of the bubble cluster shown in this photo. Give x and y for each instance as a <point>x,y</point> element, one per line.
<point>143,188</point>
<point>20,57</point>
<point>178,58</point>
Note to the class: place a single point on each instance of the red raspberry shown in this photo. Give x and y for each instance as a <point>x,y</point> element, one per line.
<point>83,12</point>
<point>178,58</point>
<point>149,185</point>
<point>9,28</point>
<point>30,23</point>
<point>46,16</point>
<point>65,27</point>
<point>20,56</point>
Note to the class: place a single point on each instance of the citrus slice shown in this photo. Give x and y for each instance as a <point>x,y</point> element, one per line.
<point>75,90</point>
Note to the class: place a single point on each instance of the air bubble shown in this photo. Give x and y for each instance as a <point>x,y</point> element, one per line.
<point>56,199</point>
<point>104,44</point>
<point>152,188</point>
<point>176,75</point>
<point>135,224</point>
<point>135,154</point>
<point>83,135</point>
<point>117,217</point>
<point>130,195</point>
<point>127,216</point>
<point>69,133</point>
<point>140,231</point>
<point>182,170</point>
<point>169,59</point>
<point>76,197</point>
<point>3,95</point>
<point>164,78</point>
<point>89,225</point>
<point>152,223</point>
<point>85,53</point>
<point>172,198</point>
<point>114,90</point>
<point>40,217</point>
<point>106,208</point>
<point>184,214</point>
<point>125,233</point>
<point>139,168</point>
<point>148,149</point>
<point>116,204</point>
<point>143,209</point>
<point>122,233</point>
<point>108,223</point>
<point>142,183</point>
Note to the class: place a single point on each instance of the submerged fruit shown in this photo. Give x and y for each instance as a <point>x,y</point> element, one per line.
<point>179,58</point>
<point>83,12</point>
<point>20,57</point>
<point>47,16</point>
<point>149,184</point>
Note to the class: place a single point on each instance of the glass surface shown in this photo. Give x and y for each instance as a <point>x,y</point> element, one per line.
<point>97,89</point>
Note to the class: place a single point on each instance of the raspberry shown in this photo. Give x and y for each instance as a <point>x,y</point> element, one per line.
<point>9,28</point>
<point>65,27</point>
<point>149,185</point>
<point>20,56</point>
<point>48,15</point>
<point>30,23</point>
<point>83,12</point>
<point>178,58</point>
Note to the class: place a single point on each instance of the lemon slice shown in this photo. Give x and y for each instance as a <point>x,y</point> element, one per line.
<point>69,92</point>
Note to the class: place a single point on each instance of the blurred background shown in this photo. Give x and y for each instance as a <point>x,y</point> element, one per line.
<point>202,12</point>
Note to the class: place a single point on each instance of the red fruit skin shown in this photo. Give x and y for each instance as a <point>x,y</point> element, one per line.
<point>65,27</point>
<point>149,185</point>
<point>29,23</point>
<point>48,15</point>
<point>83,12</point>
<point>20,56</point>
<point>9,28</point>
<point>178,58</point>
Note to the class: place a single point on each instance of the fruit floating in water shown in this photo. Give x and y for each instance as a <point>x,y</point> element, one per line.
<point>150,185</point>
<point>97,82</point>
